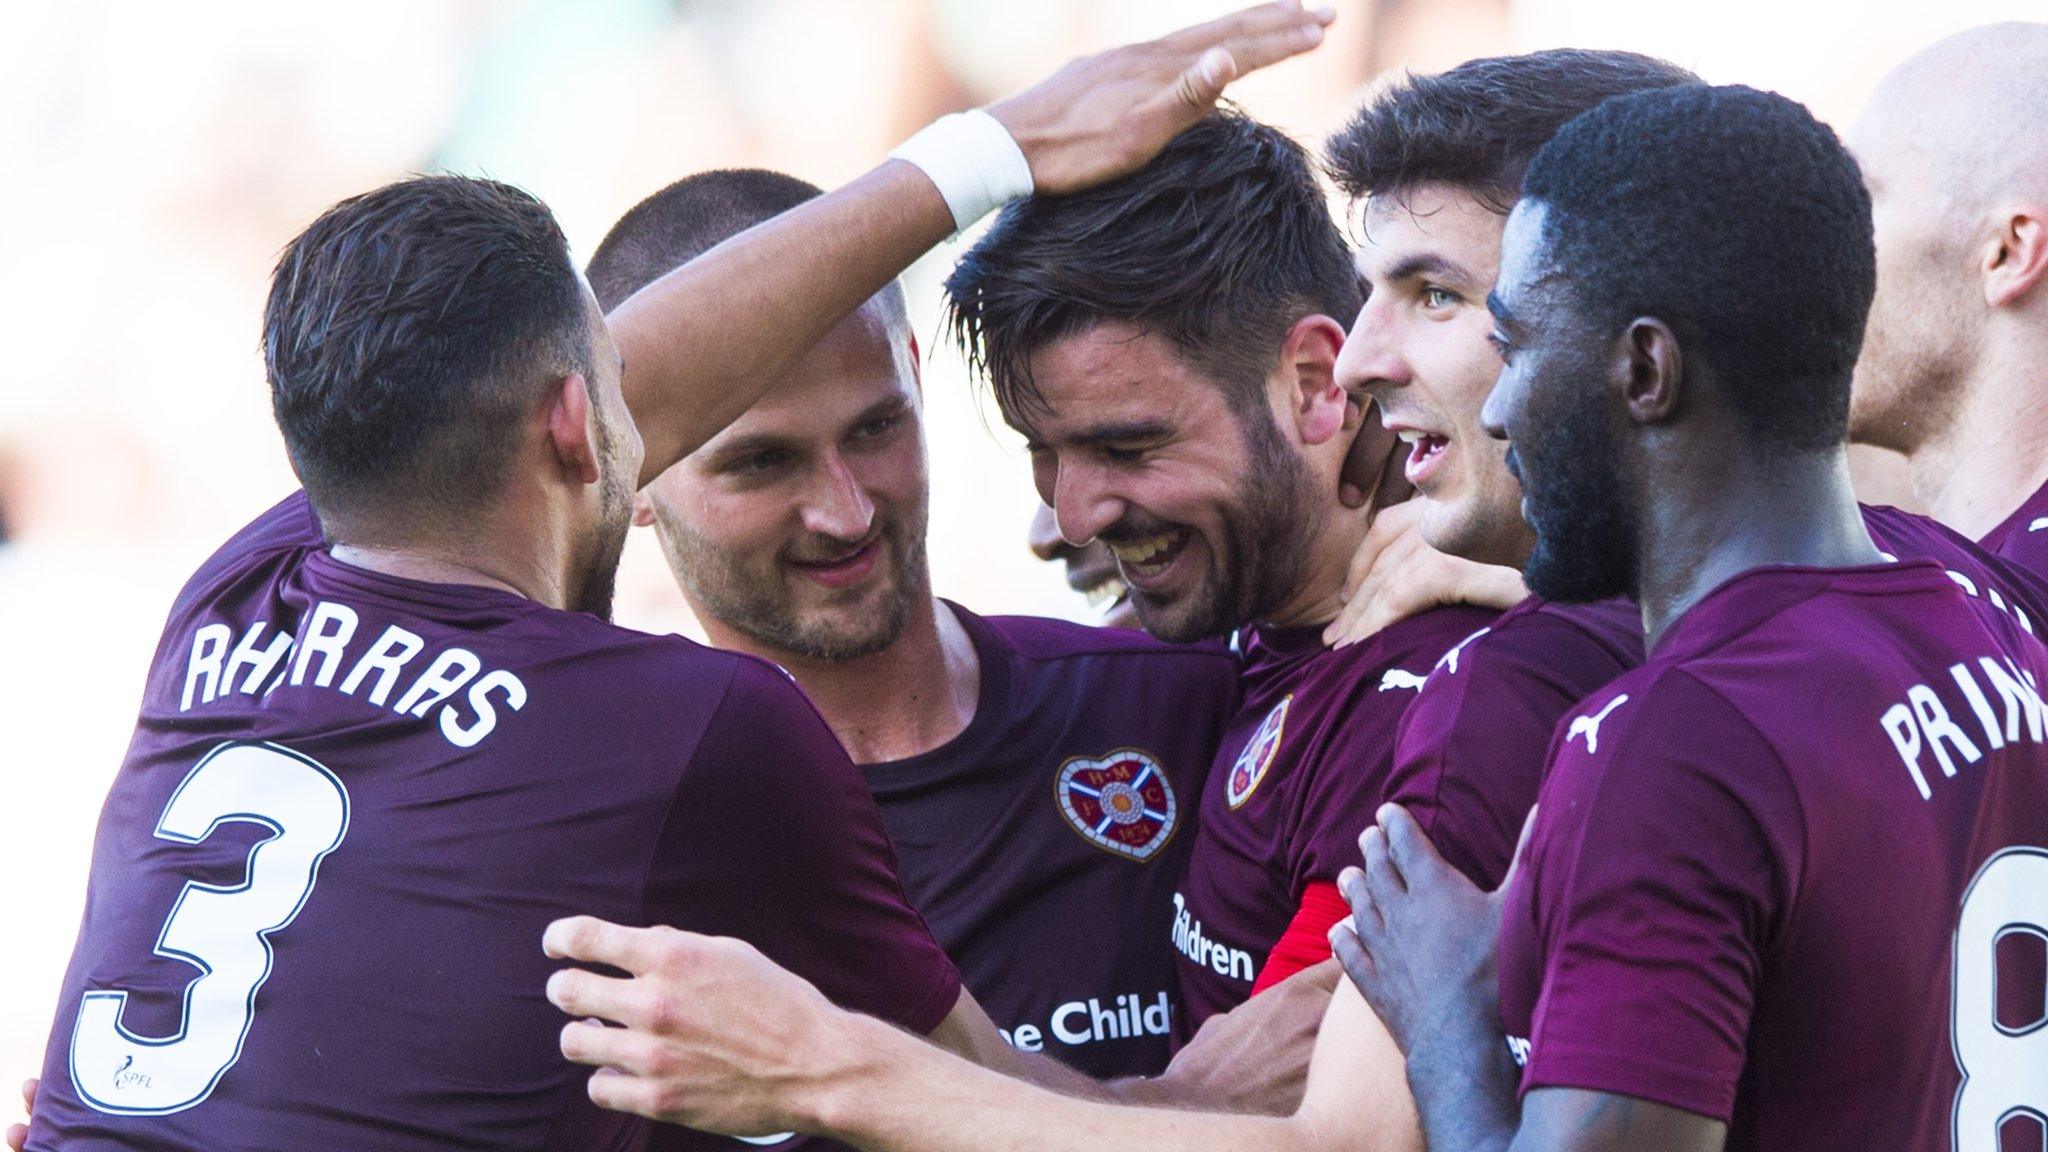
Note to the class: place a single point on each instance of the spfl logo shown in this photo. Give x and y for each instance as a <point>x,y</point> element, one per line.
<point>1121,803</point>
<point>123,1078</point>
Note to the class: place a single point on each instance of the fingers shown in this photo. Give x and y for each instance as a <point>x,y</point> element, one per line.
<point>1382,879</point>
<point>594,941</point>
<point>1258,20</point>
<point>1366,918</point>
<point>621,1092</point>
<point>585,994</point>
<point>1352,954</point>
<point>17,1137</point>
<point>584,1042</point>
<point>1200,86</point>
<point>1409,851</point>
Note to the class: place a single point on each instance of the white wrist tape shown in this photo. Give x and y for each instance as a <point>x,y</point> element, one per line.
<point>973,160</point>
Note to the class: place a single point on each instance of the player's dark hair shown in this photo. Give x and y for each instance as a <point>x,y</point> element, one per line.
<point>1219,245</point>
<point>1736,218</point>
<point>689,218</point>
<point>408,333</point>
<point>1478,125</point>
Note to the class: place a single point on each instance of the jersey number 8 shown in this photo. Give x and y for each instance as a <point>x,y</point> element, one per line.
<point>2005,1072</point>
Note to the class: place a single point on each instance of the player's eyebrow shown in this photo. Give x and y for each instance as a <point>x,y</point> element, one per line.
<point>1121,432</point>
<point>1428,264</point>
<point>749,443</point>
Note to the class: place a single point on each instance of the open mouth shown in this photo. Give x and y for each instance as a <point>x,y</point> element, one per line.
<point>842,571</point>
<point>1425,452</point>
<point>1105,592</point>
<point>1144,561</point>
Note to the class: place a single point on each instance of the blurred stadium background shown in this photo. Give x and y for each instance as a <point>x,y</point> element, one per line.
<point>162,153</point>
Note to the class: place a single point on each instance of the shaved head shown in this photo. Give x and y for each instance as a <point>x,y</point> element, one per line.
<point>1954,147</point>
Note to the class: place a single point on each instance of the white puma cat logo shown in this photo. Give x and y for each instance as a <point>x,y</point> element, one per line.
<point>1400,678</point>
<point>2038,524</point>
<point>1450,659</point>
<point>1589,726</point>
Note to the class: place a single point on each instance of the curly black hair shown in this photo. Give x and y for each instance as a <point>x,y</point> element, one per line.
<point>1738,219</point>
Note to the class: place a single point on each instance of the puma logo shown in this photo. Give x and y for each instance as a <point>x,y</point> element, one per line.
<point>1589,726</point>
<point>2038,524</point>
<point>1450,659</point>
<point>1400,678</point>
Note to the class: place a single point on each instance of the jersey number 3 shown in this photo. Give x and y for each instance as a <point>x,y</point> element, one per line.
<point>2005,1073</point>
<point>223,932</point>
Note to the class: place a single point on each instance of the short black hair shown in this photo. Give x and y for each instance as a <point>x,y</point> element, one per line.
<point>1478,125</point>
<point>1218,245</point>
<point>1736,218</point>
<point>689,218</point>
<point>407,334</point>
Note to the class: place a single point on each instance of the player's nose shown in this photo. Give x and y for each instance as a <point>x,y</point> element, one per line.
<point>1083,505</point>
<point>838,505</point>
<point>1045,534</point>
<point>1370,361</point>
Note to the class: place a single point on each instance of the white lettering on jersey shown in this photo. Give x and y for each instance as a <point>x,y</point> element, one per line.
<point>1194,944</point>
<point>1924,723</point>
<point>211,671</point>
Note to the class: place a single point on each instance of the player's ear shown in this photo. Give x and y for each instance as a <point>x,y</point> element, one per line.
<point>643,510</point>
<point>1647,370</point>
<point>2017,260</point>
<point>571,435</point>
<point>1308,373</point>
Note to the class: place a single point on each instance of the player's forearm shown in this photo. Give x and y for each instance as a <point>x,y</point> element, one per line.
<point>1464,1086</point>
<point>904,1095</point>
<point>706,341</point>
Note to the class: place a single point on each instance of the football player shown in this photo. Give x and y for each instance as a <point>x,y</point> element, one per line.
<point>1823,795</point>
<point>389,733</point>
<point>1955,153</point>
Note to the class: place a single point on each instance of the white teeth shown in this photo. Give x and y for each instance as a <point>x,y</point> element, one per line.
<point>1411,436</point>
<point>1108,592</point>
<point>1139,551</point>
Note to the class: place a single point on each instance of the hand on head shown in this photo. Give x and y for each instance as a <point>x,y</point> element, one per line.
<point>1105,115</point>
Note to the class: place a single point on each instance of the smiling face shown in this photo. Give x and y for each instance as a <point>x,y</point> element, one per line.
<point>1551,406</point>
<point>1210,512</point>
<point>802,525</point>
<point>1419,346</point>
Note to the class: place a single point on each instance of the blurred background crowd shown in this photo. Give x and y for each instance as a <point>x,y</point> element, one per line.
<point>163,153</point>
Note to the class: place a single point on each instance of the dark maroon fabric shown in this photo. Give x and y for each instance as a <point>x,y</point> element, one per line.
<point>1471,749</point>
<point>1771,867</point>
<point>1302,768</point>
<point>573,767</point>
<point>2023,537</point>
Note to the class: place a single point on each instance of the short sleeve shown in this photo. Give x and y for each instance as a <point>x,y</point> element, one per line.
<point>1662,863</point>
<point>774,838</point>
<point>1469,755</point>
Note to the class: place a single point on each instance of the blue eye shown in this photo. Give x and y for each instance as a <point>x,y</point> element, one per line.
<point>1438,298</point>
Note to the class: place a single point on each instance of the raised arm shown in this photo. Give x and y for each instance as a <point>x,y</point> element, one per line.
<point>704,342</point>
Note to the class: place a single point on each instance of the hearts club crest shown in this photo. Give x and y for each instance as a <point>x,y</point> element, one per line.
<point>1257,756</point>
<point>1121,803</point>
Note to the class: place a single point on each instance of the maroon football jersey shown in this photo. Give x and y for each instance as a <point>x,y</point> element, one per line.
<point>1470,750</point>
<point>1044,843</point>
<point>1779,872</point>
<point>2023,537</point>
<point>2011,587</point>
<point>1302,768</point>
<point>352,804</point>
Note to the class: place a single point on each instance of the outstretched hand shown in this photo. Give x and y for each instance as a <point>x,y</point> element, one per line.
<point>1105,115</point>
<point>17,1134</point>
<point>1422,939</point>
<point>710,1034</point>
